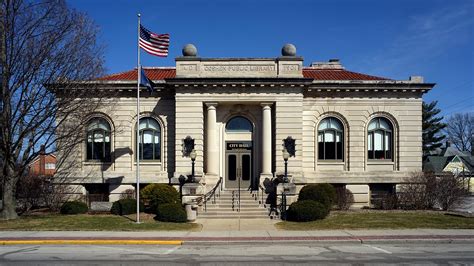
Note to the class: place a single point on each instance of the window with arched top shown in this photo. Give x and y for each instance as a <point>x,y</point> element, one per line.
<point>98,139</point>
<point>239,124</point>
<point>150,139</point>
<point>380,139</point>
<point>330,139</point>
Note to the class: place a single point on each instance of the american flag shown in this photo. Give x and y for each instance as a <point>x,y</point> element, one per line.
<point>155,44</point>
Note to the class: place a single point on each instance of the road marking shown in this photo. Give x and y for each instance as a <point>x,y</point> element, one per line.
<point>90,242</point>
<point>171,250</point>
<point>379,249</point>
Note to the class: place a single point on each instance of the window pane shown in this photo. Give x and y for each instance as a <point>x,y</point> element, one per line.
<point>157,151</point>
<point>98,136</point>
<point>338,137</point>
<point>147,151</point>
<point>107,151</point>
<point>239,123</point>
<point>373,124</point>
<point>147,136</point>
<point>388,145</point>
<point>149,123</point>
<point>329,136</point>
<point>336,124</point>
<point>98,123</point>
<point>370,147</point>
<point>320,137</point>
<point>340,153</point>
<point>232,167</point>
<point>153,124</point>
<point>330,150</point>
<point>89,150</point>
<point>378,138</point>
<point>385,124</point>
<point>324,124</point>
<point>246,167</point>
<point>98,149</point>
<point>157,146</point>
<point>321,150</point>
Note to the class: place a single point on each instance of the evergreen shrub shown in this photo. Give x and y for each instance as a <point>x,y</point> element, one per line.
<point>171,212</point>
<point>125,207</point>
<point>157,194</point>
<point>74,207</point>
<point>322,193</point>
<point>306,211</point>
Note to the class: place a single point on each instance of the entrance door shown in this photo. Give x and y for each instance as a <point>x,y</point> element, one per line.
<point>238,169</point>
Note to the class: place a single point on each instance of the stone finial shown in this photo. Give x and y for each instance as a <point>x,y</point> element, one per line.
<point>288,50</point>
<point>189,50</point>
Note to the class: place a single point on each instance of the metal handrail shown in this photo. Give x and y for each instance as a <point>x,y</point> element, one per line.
<point>263,191</point>
<point>208,195</point>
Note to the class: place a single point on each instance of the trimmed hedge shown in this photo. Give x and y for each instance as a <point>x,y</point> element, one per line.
<point>125,206</point>
<point>322,193</point>
<point>306,211</point>
<point>171,212</point>
<point>157,194</point>
<point>74,207</point>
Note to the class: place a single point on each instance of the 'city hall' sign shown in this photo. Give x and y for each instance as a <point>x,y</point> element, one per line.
<point>243,145</point>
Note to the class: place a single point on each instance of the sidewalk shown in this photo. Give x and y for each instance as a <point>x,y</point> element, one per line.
<point>222,237</point>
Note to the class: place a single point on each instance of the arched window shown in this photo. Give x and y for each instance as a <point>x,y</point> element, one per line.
<point>150,139</point>
<point>239,124</point>
<point>330,139</point>
<point>98,139</point>
<point>380,139</point>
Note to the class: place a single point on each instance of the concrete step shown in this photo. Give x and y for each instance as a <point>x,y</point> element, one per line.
<point>253,208</point>
<point>235,217</point>
<point>235,214</point>
<point>229,205</point>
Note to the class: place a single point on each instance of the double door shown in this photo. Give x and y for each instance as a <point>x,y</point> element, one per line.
<point>238,169</point>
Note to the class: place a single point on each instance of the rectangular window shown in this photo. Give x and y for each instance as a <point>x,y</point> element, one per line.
<point>50,166</point>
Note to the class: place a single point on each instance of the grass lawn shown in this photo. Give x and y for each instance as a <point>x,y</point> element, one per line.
<point>383,220</point>
<point>87,222</point>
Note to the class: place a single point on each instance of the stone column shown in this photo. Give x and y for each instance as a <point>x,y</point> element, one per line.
<point>212,146</point>
<point>266,139</point>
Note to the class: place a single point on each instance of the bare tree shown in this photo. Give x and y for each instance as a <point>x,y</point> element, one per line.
<point>48,52</point>
<point>460,130</point>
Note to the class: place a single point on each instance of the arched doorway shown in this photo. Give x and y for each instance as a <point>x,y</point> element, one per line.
<point>238,153</point>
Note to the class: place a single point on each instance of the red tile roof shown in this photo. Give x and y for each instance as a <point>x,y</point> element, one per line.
<point>317,74</point>
<point>151,73</point>
<point>337,74</point>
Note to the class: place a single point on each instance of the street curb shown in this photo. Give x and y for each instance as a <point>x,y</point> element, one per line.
<point>236,240</point>
<point>90,242</point>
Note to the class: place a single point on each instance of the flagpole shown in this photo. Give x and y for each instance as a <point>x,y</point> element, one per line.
<point>138,122</point>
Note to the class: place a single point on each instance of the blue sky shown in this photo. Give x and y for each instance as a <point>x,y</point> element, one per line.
<point>395,39</point>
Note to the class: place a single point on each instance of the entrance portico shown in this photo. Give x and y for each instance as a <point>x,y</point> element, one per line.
<point>213,91</point>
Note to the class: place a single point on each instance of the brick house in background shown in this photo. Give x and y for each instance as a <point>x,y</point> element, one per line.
<point>43,165</point>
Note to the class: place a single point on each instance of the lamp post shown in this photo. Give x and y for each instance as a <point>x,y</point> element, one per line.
<point>182,180</point>
<point>192,155</point>
<point>286,155</point>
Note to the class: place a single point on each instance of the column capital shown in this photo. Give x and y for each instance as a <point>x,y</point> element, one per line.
<point>210,105</point>
<point>266,104</point>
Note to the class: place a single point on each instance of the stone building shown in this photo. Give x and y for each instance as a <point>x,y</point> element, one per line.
<point>349,128</point>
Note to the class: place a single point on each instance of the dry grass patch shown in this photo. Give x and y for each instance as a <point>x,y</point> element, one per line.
<point>383,220</point>
<point>88,222</point>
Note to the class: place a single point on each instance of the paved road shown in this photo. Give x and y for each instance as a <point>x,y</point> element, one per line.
<point>254,253</point>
